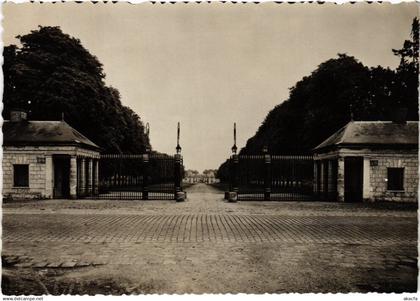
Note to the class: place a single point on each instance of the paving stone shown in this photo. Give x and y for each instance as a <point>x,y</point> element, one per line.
<point>40,264</point>
<point>53,264</point>
<point>68,264</point>
<point>83,264</point>
<point>215,228</point>
<point>24,265</point>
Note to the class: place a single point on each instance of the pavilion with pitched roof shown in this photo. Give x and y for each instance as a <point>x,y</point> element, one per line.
<point>369,161</point>
<point>47,159</point>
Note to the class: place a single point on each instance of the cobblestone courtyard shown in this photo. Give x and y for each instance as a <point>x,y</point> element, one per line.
<point>206,245</point>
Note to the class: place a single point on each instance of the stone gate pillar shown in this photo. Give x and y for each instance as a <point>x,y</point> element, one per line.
<point>82,176</point>
<point>90,177</point>
<point>340,179</point>
<point>315,179</point>
<point>49,177</point>
<point>321,179</point>
<point>73,177</point>
<point>330,184</point>
<point>96,177</point>
<point>366,179</point>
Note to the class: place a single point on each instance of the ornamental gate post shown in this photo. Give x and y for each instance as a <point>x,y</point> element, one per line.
<point>232,195</point>
<point>230,177</point>
<point>146,174</point>
<point>146,166</point>
<point>179,194</point>
<point>267,174</point>
<point>177,179</point>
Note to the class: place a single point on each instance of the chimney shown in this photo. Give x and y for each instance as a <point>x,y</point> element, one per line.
<point>18,116</point>
<point>400,115</point>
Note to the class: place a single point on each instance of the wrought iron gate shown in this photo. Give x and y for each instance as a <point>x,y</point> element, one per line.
<point>149,176</point>
<point>272,177</point>
<point>139,176</point>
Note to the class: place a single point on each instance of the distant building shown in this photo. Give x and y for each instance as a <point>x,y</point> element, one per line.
<point>47,159</point>
<point>370,161</point>
<point>209,177</point>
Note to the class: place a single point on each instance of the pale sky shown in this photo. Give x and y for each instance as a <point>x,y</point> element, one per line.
<point>210,65</point>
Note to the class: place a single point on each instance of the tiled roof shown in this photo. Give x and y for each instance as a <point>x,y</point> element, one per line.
<point>43,133</point>
<point>374,133</point>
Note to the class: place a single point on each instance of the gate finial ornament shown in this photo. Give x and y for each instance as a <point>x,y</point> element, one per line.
<point>234,147</point>
<point>178,147</point>
<point>147,130</point>
<point>147,133</point>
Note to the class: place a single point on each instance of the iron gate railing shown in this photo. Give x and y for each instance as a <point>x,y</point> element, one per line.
<point>138,177</point>
<point>272,177</point>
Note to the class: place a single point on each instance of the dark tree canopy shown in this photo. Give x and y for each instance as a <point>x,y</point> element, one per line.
<point>52,73</point>
<point>338,90</point>
<point>407,73</point>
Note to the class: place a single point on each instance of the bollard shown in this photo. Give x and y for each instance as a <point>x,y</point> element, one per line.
<point>180,196</point>
<point>233,197</point>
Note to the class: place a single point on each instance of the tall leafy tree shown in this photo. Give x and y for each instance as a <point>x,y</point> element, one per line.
<point>52,73</point>
<point>337,91</point>
<point>407,73</point>
<point>318,105</point>
<point>9,75</point>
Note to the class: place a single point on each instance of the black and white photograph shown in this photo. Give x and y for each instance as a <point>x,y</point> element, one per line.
<point>209,148</point>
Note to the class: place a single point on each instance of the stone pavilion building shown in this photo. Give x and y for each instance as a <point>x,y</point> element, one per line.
<point>47,159</point>
<point>369,161</point>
